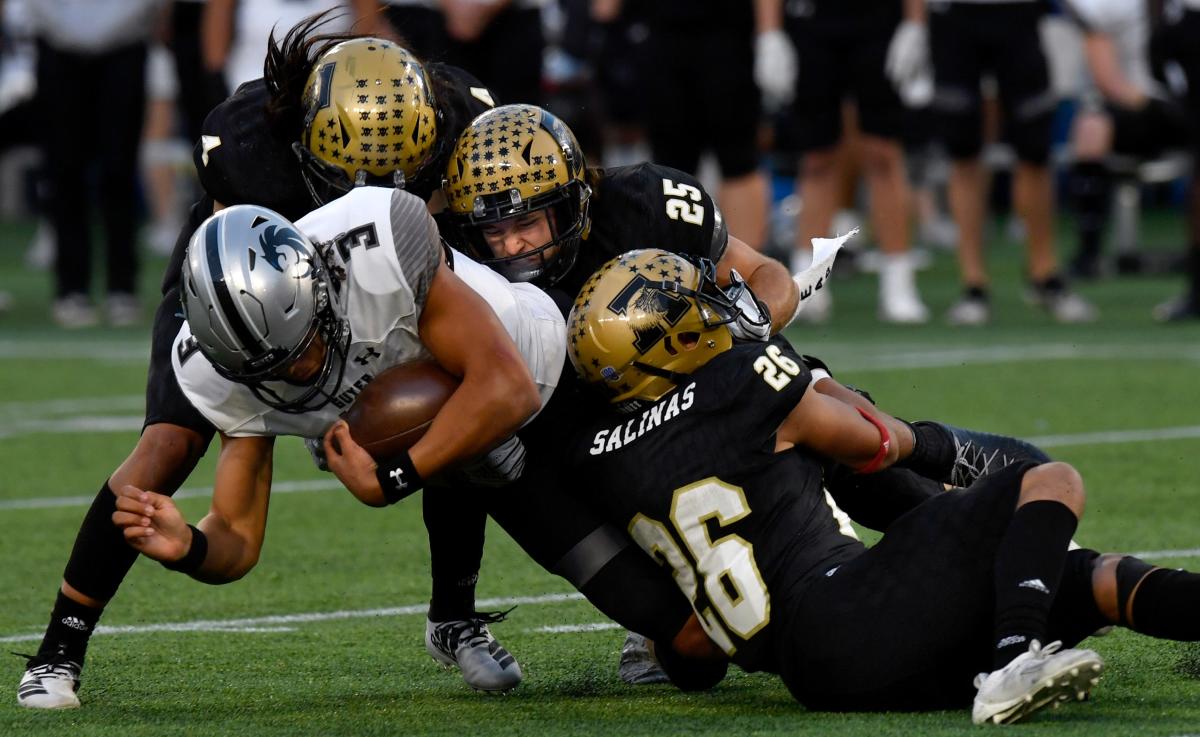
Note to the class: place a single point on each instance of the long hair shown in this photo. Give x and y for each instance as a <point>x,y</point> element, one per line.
<point>287,67</point>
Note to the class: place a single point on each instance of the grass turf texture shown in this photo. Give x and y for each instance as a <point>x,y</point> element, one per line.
<point>325,553</point>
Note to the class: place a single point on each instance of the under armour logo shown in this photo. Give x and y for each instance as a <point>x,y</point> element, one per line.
<point>362,358</point>
<point>1035,584</point>
<point>397,475</point>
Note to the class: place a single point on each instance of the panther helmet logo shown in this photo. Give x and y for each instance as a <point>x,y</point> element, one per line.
<point>276,244</point>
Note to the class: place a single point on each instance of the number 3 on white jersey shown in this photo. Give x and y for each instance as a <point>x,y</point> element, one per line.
<point>680,209</point>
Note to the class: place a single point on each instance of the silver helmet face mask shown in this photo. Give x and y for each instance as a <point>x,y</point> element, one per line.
<point>256,294</point>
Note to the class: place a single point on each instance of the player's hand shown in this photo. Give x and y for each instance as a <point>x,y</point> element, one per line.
<point>908,53</point>
<point>775,67</point>
<point>754,321</point>
<point>152,524</point>
<point>351,463</point>
<point>502,466</point>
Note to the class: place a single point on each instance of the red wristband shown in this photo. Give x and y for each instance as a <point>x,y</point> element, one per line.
<point>885,443</point>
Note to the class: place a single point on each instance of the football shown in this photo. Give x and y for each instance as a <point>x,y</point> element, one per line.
<point>396,408</point>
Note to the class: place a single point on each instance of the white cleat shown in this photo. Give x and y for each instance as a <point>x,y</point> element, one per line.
<point>469,645</point>
<point>1041,677</point>
<point>899,301</point>
<point>50,684</point>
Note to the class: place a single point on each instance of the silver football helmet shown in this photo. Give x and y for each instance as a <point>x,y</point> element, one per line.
<point>256,294</point>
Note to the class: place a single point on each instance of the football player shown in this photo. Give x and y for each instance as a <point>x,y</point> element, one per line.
<point>286,324</point>
<point>521,199</point>
<point>974,582</point>
<point>271,145</point>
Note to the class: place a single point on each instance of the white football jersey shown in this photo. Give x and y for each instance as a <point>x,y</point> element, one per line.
<point>389,248</point>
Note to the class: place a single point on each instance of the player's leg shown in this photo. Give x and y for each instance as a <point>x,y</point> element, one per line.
<point>957,105</point>
<point>172,442</point>
<point>733,135</point>
<point>880,115</point>
<point>1028,674</point>
<point>570,539</point>
<point>1091,141</point>
<point>1028,102</point>
<point>821,83</point>
<point>122,85</point>
<point>456,634</point>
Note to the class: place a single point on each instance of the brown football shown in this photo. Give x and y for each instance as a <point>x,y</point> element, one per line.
<point>396,408</point>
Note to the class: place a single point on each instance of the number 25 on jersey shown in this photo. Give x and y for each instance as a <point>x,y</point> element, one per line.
<point>683,202</point>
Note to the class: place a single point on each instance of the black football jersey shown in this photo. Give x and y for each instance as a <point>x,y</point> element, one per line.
<point>240,159</point>
<point>695,480</point>
<point>647,206</point>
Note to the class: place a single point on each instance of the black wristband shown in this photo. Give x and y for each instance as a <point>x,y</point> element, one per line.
<point>933,452</point>
<point>194,557</point>
<point>398,477</point>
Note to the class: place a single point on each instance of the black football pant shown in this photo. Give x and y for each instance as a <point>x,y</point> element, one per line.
<point>91,108</point>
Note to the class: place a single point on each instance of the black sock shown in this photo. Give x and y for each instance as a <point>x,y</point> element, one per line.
<point>977,292</point>
<point>1029,564</point>
<point>71,624</point>
<point>455,525</point>
<point>1165,604</point>
<point>1090,187</point>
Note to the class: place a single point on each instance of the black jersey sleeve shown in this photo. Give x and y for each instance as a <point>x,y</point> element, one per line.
<point>240,161</point>
<point>652,206</point>
<point>460,97</point>
<point>757,385</point>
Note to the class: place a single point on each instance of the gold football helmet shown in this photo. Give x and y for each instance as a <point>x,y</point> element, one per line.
<point>512,160</point>
<point>369,118</point>
<point>647,319</point>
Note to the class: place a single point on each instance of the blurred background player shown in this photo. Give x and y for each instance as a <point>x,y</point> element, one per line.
<point>843,51</point>
<point>92,56</point>
<point>1126,111</point>
<point>1176,28</point>
<point>969,39</point>
<point>701,97</point>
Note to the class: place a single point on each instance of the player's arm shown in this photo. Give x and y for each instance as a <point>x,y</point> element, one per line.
<point>768,279</point>
<point>497,393</point>
<point>866,440</point>
<point>1105,67</point>
<point>233,529</point>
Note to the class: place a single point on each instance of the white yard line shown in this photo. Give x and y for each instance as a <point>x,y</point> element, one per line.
<point>281,487</point>
<point>281,622</point>
<point>284,622</point>
<point>1117,436</point>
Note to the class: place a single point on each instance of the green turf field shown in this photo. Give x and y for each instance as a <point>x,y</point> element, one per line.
<point>325,635</point>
